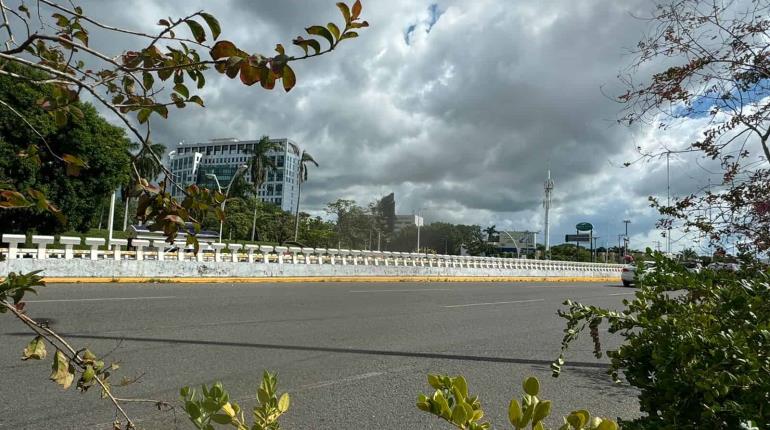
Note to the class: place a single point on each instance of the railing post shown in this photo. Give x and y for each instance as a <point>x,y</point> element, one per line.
<point>234,248</point>
<point>69,242</point>
<point>139,244</point>
<point>265,251</point>
<point>250,248</point>
<point>94,243</point>
<point>294,251</point>
<point>117,243</point>
<point>218,247</point>
<point>344,256</point>
<point>160,248</point>
<point>180,249</point>
<point>307,252</point>
<point>41,242</point>
<point>355,253</point>
<point>13,241</point>
<point>280,250</point>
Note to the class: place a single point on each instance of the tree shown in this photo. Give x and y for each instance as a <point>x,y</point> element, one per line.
<point>77,190</point>
<point>304,160</point>
<point>715,66</point>
<point>133,82</point>
<point>260,164</point>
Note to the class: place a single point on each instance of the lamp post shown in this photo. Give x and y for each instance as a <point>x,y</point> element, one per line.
<point>625,248</point>
<point>242,168</point>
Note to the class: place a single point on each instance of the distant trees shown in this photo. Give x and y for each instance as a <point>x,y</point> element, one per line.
<point>25,164</point>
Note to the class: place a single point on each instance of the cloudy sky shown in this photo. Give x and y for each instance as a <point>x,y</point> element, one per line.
<point>458,107</point>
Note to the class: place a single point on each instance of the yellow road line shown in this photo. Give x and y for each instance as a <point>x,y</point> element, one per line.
<point>201,280</point>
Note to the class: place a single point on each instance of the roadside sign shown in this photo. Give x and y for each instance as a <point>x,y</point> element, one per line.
<point>584,226</point>
<point>577,238</point>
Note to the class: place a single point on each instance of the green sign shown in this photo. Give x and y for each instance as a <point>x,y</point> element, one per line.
<point>584,226</point>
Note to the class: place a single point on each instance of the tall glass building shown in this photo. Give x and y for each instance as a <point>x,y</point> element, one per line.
<point>191,163</point>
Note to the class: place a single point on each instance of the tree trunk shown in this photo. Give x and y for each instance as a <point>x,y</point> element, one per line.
<point>296,218</point>
<point>254,220</point>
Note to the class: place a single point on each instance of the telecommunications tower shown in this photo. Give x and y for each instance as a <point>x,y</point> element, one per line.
<point>547,206</point>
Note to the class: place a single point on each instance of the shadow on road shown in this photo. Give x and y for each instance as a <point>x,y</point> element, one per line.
<point>432,355</point>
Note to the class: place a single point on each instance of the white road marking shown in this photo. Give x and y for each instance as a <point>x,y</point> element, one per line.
<point>622,294</point>
<point>105,299</point>
<point>341,381</point>
<point>494,303</point>
<point>411,290</point>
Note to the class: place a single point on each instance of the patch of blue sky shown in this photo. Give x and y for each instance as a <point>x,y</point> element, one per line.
<point>434,13</point>
<point>702,105</point>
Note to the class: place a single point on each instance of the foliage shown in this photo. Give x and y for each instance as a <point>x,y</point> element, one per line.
<point>452,403</point>
<point>25,166</point>
<point>304,161</point>
<point>143,83</point>
<point>697,346</point>
<point>214,405</point>
<point>715,65</point>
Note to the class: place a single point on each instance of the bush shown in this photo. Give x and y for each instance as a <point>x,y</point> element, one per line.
<point>697,346</point>
<point>452,402</point>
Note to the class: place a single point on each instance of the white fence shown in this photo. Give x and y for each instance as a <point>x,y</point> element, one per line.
<point>216,253</point>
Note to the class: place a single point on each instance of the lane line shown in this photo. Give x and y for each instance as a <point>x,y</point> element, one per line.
<point>622,294</point>
<point>411,290</point>
<point>340,381</point>
<point>105,299</point>
<point>494,303</point>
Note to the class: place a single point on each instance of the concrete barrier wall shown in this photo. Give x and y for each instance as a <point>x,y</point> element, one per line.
<point>220,260</point>
<point>81,268</point>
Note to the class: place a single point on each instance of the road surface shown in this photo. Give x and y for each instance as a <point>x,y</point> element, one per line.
<point>352,355</point>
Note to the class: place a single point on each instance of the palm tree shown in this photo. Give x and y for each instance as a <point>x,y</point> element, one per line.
<point>259,165</point>
<point>147,167</point>
<point>304,160</point>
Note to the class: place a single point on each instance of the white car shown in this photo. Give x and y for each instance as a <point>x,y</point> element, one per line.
<point>628,275</point>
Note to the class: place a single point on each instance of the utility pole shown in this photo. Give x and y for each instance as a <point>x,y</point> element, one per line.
<point>111,219</point>
<point>625,248</point>
<point>668,201</point>
<point>547,205</point>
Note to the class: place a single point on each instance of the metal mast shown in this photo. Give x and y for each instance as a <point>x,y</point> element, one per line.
<point>547,206</point>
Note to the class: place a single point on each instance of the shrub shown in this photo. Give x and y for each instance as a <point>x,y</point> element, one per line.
<point>697,346</point>
<point>452,403</point>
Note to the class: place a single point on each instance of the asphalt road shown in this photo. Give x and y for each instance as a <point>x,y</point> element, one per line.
<point>353,356</point>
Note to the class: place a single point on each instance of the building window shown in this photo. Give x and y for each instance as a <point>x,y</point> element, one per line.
<point>279,162</point>
<point>278,188</point>
<point>278,202</point>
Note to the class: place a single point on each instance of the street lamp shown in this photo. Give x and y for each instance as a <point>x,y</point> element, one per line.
<point>625,249</point>
<point>242,168</point>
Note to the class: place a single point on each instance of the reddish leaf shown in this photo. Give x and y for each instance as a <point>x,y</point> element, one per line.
<point>356,9</point>
<point>223,49</point>
<point>288,78</point>
<point>250,75</point>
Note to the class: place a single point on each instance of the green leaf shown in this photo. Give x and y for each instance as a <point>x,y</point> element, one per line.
<point>60,116</point>
<point>284,402</point>
<point>197,100</point>
<point>461,385</point>
<point>62,371</point>
<point>542,410</point>
<point>345,11</point>
<point>262,396</point>
<point>458,415</point>
<point>321,31</point>
<point>434,381</point>
<point>333,29</point>
<point>531,386</point>
<point>514,412</point>
<point>288,78</point>
<point>212,23</point>
<point>182,90</point>
<point>197,30</point>
<point>35,349</point>
<point>143,115</point>
<point>147,80</point>
<point>607,425</point>
<point>221,419</point>
<point>349,35</point>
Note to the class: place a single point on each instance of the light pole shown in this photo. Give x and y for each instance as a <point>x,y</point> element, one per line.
<point>418,222</point>
<point>242,168</point>
<point>515,243</point>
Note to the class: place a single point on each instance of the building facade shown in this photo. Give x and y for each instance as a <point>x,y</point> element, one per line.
<point>193,164</point>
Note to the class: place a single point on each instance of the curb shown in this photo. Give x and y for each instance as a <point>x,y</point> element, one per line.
<point>320,279</point>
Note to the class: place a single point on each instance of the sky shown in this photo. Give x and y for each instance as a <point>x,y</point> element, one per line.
<point>457,107</point>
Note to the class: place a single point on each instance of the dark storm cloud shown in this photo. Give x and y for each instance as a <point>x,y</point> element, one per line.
<point>465,118</point>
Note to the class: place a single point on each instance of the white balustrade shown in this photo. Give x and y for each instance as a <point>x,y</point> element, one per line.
<point>294,250</point>
<point>69,242</point>
<point>344,253</point>
<point>160,248</point>
<point>250,248</point>
<point>332,252</point>
<point>218,247</point>
<point>280,250</point>
<point>13,241</point>
<point>307,252</point>
<point>265,250</point>
<point>139,245</point>
<point>94,243</point>
<point>355,253</point>
<point>41,242</point>
<point>180,249</point>
<point>234,248</point>
<point>116,244</point>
